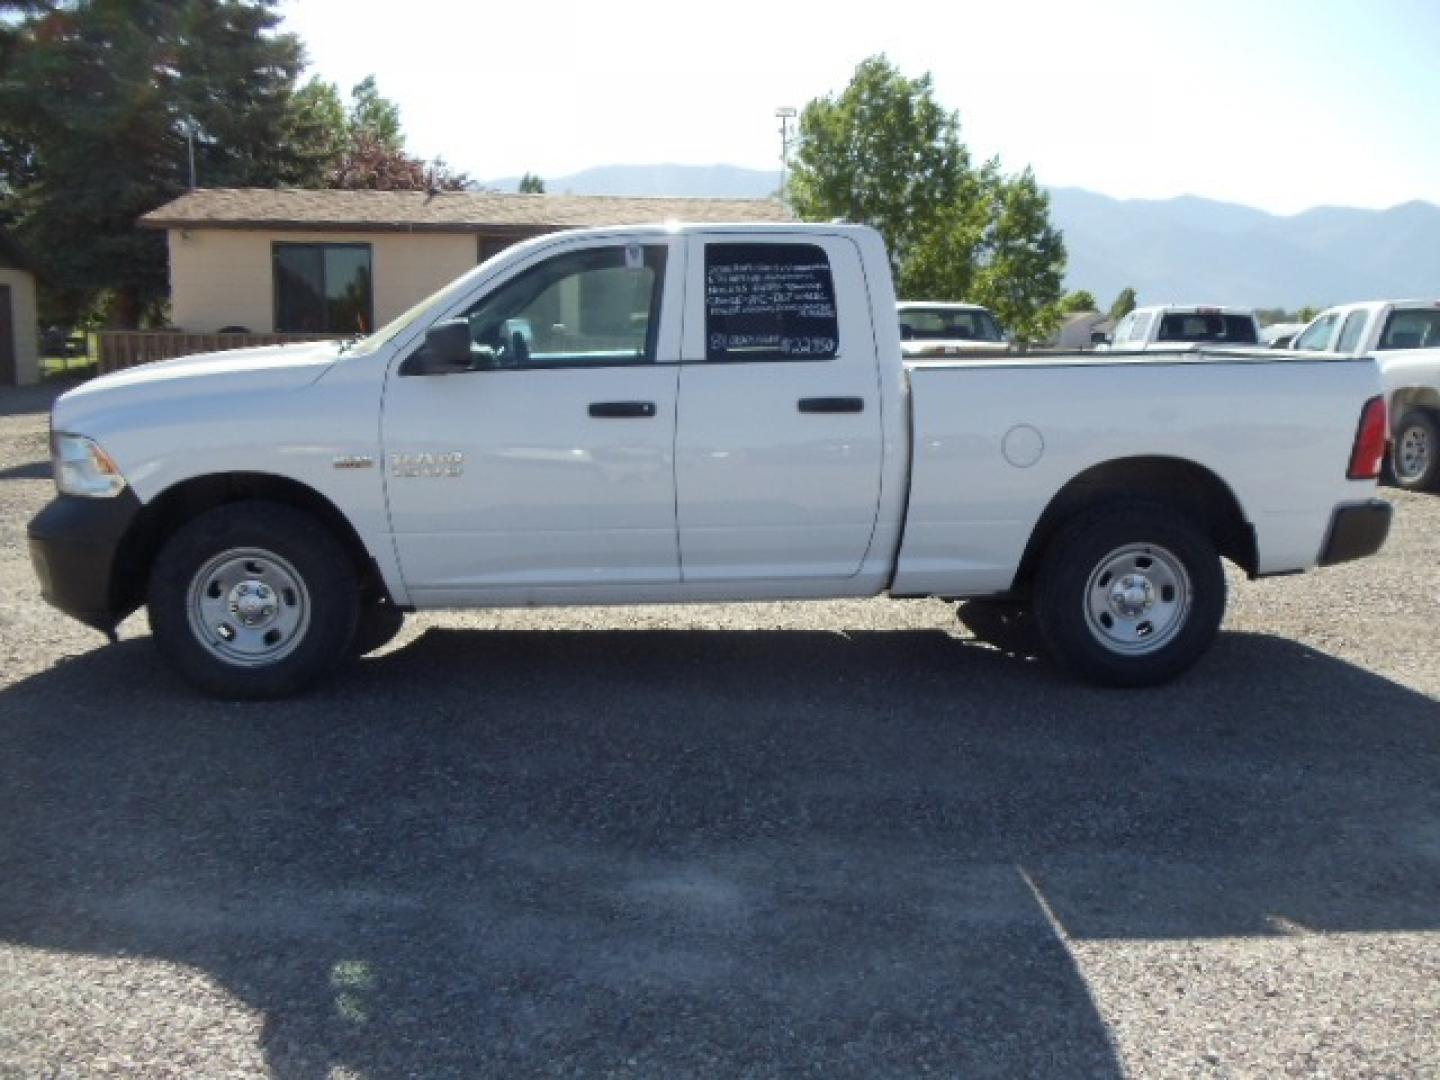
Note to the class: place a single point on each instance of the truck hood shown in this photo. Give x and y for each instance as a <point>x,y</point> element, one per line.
<point>237,373</point>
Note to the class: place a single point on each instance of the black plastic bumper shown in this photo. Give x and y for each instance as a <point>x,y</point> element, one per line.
<point>1356,531</point>
<point>73,542</point>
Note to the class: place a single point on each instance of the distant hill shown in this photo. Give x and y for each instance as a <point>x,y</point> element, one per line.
<point>1192,250</point>
<point>1182,250</point>
<point>717,180</point>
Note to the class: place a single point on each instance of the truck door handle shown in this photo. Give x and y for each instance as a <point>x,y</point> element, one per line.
<point>832,404</point>
<point>616,410</point>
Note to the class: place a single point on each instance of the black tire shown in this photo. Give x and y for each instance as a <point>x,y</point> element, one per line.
<point>378,623</point>
<point>308,601</point>
<point>1117,569</point>
<point>1415,452</point>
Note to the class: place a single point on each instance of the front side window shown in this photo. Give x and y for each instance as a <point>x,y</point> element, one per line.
<point>1318,336</point>
<point>768,302</point>
<point>598,307</point>
<point>323,288</point>
<point>1411,330</point>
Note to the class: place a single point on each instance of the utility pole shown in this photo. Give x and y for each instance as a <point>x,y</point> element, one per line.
<point>785,113</point>
<point>190,142</point>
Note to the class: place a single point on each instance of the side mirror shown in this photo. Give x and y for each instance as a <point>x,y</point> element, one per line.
<point>446,350</point>
<point>1099,337</point>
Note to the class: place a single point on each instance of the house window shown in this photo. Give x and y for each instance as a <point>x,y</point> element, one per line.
<point>323,288</point>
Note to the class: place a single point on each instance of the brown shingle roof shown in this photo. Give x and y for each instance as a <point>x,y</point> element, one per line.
<point>450,211</point>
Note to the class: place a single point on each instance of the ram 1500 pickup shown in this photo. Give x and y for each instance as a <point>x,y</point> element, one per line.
<point>690,413</point>
<point>1404,338</point>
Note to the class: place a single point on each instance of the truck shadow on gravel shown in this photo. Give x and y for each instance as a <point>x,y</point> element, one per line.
<point>681,853</point>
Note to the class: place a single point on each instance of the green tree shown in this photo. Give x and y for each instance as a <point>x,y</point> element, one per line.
<point>374,116</point>
<point>1306,314</point>
<point>1124,304</point>
<point>1078,302</point>
<point>883,152</point>
<point>1022,276</point>
<point>363,145</point>
<point>531,184</point>
<point>98,101</point>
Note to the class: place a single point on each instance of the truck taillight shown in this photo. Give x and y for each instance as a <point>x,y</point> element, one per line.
<point>1370,440</point>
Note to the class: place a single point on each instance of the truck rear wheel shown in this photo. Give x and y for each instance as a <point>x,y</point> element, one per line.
<point>1415,454</point>
<point>253,600</point>
<point>1129,594</point>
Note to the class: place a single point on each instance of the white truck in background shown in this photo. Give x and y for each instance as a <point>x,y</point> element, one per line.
<point>1172,327</point>
<point>1404,338</point>
<point>932,329</point>
<point>690,413</point>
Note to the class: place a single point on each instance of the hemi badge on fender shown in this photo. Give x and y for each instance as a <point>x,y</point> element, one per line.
<point>353,461</point>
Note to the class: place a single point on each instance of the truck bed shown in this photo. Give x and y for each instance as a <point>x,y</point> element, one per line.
<point>996,439</point>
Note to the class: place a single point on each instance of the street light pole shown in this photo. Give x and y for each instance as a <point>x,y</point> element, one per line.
<point>785,114</point>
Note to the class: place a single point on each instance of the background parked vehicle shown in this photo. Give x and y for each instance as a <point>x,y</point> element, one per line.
<point>938,328</point>
<point>1404,338</point>
<point>1176,326</point>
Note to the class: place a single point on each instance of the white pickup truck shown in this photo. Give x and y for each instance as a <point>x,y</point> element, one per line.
<point>689,413</point>
<point>1404,338</point>
<point>931,329</point>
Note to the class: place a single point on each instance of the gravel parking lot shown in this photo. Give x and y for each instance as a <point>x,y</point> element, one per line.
<point>836,839</point>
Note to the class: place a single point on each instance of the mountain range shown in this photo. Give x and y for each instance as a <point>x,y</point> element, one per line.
<point>1181,250</point>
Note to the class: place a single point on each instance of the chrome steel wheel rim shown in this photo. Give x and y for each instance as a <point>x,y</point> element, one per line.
<point>1137,599</point>
<point>1412,452</point>
<point>248,607</point>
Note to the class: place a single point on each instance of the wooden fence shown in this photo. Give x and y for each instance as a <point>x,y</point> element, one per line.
<point>125,348</point>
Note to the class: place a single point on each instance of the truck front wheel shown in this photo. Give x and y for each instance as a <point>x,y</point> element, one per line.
<point>1129,594</point>
<point>253,600</point>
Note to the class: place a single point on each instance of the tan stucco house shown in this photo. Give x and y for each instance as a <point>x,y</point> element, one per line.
<point>19,328</point>
<point>322,262</point>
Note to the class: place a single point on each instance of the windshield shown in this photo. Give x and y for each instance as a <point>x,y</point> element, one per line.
<point>1216,326</point>
<point>948,324</point>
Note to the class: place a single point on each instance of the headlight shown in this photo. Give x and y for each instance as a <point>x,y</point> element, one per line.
<point>83,468</point>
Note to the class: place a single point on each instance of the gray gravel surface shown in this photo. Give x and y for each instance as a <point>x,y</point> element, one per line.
<point>832,839</point>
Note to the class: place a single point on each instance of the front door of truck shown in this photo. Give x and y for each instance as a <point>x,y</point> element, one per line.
<point>545,471</point>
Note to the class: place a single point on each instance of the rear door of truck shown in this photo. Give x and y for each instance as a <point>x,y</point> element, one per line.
<point>779,445</point>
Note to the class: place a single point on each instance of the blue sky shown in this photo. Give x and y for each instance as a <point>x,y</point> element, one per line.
<point>1279,104</point>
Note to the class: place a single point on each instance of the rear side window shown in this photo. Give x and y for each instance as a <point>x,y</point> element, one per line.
<point>1350,332</point>
<point>1411,330</point>
<point>1208,326</point>
<point>766,302</point>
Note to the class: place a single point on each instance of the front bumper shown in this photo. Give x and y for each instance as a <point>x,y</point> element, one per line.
<point>73,544</point>
<point>1356,531</point>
